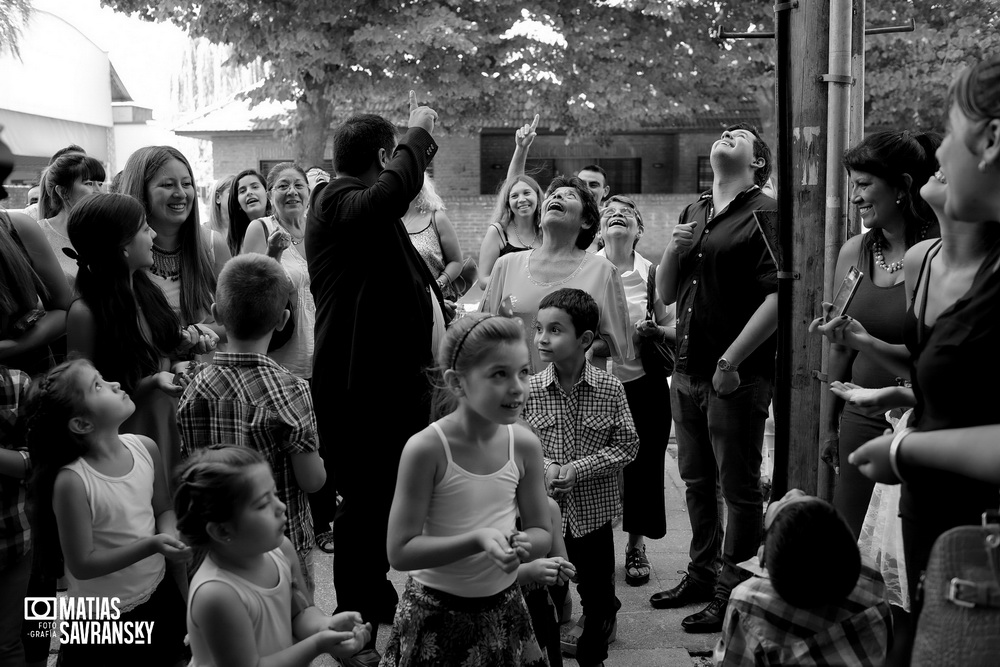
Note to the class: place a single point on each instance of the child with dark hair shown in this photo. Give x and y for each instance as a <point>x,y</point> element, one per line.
<point>249,603</point>
<point>246,398</point>
<point>581,415</point>
<point>99,504</point>
<point>818,603</point>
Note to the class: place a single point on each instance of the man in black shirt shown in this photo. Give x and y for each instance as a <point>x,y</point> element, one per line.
<point>375,321</point>
<point>720,273</point>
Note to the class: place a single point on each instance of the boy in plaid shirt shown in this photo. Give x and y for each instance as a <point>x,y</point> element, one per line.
<point>582,418</point>
<point>246,398</point>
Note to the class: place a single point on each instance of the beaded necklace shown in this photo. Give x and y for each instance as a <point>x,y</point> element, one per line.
<point>895,266</point>
<point>166,263</point>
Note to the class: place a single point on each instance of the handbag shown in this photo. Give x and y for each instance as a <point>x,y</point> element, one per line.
<point>657,356</point>
<point>468,276</point>
<point>959,623</point>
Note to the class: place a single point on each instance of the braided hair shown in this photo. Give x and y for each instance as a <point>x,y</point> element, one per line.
<point>52,401</point>
<point>211,485</point>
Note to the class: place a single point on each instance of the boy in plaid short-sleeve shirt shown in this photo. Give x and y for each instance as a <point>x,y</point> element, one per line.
<point>582,418</point>
<point>246,398</point>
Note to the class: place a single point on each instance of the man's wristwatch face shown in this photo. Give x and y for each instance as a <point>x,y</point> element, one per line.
<point>725,366</point>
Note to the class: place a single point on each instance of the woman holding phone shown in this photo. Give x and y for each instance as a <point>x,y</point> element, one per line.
<point>886,171</point>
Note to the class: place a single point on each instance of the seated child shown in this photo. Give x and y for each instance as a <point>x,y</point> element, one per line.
<point>818,604</point>
<point>582,417</point>
<point>246,398</point>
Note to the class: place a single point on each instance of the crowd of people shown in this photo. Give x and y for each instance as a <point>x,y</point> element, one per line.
<point>190,408</point>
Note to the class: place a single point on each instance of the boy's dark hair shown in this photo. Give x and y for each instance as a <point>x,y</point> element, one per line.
<point>591,213</point>
<point>357,141</point>
<point>760,150</point>
<point>811,554</point>
<point>251,296</point>
<point>580,306</point>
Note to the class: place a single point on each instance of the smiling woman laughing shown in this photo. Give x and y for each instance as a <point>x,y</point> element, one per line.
<point>570,220</point>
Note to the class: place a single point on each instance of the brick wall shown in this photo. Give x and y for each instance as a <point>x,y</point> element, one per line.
<point>471,215</point>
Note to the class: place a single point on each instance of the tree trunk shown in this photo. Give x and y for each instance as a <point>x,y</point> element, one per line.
<point>312,128</point>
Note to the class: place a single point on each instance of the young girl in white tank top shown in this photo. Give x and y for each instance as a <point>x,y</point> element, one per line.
<point>462,482</point>
<point>102,503</point>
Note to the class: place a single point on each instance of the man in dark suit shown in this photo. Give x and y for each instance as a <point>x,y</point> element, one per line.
<point>377,309</point>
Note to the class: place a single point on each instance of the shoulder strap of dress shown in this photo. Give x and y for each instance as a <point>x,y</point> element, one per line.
<point>510,434</point>
<point>500,231</point>
<point>434,224</point>
<point>923,281</point>
<point>132,441</point>
<point>444,441</point>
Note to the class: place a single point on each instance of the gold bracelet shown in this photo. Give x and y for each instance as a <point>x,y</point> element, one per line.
<point>897,440</point>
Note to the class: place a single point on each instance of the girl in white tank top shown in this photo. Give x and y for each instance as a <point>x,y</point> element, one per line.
<point>462,482</point>
<point>248,600</point>
<point>102,498</point>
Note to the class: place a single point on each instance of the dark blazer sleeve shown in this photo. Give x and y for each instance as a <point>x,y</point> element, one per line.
<point>399,182</point>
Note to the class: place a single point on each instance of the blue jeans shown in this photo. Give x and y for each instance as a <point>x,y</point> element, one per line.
<point>719,441</point>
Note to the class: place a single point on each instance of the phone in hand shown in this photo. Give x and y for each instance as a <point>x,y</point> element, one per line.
<point>845,294</point>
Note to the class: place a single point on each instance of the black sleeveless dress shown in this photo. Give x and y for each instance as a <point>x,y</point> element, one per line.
<point>956,379</point>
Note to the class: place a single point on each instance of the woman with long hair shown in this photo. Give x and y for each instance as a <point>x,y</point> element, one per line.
<point>68,179</point>
<point>886,171</point>
<point>434,237</point>
<point>248,201</point>
<point>187,257</point>
<point>122,321</point>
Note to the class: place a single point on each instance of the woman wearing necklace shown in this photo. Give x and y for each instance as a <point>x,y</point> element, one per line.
<point>434,237</point>
<point>69,178</point>
<point>280,236</point>
<point>516,220</point>
<point>187,257</point>
<point>570,221</point>
<point>643,508</point>
<point>886,173</point>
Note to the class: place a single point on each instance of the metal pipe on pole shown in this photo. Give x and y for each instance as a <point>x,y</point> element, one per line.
<point>839,82</point>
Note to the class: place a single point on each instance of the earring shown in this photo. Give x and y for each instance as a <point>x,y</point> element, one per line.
<point>899,201</point>
<point>983,165</point>
<point>125,251</point>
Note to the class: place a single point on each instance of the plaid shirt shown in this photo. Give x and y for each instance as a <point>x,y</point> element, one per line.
<point>592,427</point>
<point>249,400</point>
<point>762,629</point>
<point>15,535</point>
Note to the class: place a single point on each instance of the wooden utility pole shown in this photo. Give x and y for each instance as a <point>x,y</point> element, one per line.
<point>802,33</point>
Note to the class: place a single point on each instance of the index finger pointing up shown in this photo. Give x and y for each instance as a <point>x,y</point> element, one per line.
<point>534,123</point>
<point>413,101</point>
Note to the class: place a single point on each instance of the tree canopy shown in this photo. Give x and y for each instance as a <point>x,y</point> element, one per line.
<point>587,66</point>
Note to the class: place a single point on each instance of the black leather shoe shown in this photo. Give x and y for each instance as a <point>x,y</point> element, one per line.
<point>682,594</point>
<point>708,619</point>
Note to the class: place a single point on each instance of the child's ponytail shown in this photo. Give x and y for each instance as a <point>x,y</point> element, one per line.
<point>52,401</point>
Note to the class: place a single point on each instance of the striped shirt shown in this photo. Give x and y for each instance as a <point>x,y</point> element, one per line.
<point>760,628</point>
<point>250,400</point>
<point>15,534</point>
<point>592,427</point>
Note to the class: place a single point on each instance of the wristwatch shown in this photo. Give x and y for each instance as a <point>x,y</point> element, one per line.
<point>727,367</point>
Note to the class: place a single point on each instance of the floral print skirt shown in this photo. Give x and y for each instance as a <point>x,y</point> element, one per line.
<point>436,629</point>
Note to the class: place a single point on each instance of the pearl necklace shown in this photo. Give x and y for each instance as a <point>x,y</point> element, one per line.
<point>880,259</point>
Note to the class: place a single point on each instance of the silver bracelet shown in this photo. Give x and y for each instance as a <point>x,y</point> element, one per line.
<point>897,440</point>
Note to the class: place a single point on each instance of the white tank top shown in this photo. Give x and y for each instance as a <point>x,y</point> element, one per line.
<point>460,503</point>
<point>269,609</point>
<point>121,512</point>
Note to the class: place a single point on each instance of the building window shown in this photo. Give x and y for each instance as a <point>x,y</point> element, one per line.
<point>705,175</point>
<point>624,174</point>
